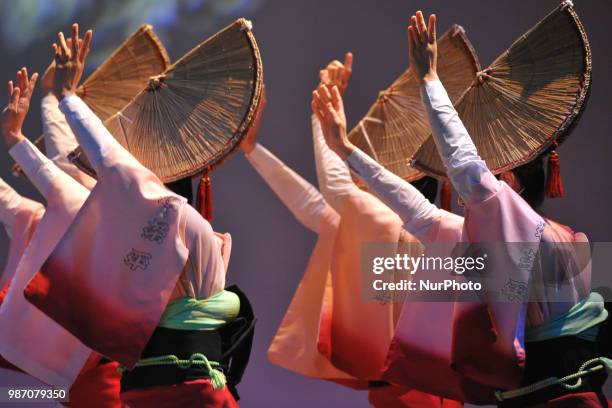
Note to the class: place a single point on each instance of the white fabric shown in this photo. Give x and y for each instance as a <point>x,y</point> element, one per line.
<point>60,141</point>
<point>35,343</point>
<point>40,170</point>
<point>466,170</point>
<point>9,205</point>
<point>301,198</point>
<point>417,213</point>
<point>333,175</point>
<point>204,272</point>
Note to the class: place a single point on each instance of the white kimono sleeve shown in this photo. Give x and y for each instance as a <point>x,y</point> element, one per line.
<point>10,201</point>
<point>417,213</point>
<point>54,185</point>
<point>333,175</point>
<point>466,170</point>
<point>60,141</point>
<point>300,197</point>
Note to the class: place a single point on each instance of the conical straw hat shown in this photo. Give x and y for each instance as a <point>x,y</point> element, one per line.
<point>189,118</point>
<point>528,99</point>
<point>113,85</point>
<point>396,125</point>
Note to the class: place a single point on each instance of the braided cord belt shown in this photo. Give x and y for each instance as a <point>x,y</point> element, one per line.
<point>217,377</point>
<point>585,369</point>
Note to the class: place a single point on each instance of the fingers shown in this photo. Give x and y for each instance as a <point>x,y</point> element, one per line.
<point>324,76</point>
<point>75,41</point>
<point>14,99</point>
<point>331,113</point>
<point>57,55</point>
<point>84,46</point>
<point>337,99</point>
<point>422,28</point>
<point>20,82</point>
<point>432,29</point>
<point>10,87</point>
<point>64,50</point>
<point>348,62</point>
<point>317,107</point>
<point>412,41</point>
<point>32,82</point>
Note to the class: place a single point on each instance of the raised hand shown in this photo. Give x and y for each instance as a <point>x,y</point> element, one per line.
<point>248,143</point>
<point>14,114</point>
<point>422,47</point>
<point>70,59</point>
<point>338,74</point>
<point>47,79</point>
<point>329,108</point>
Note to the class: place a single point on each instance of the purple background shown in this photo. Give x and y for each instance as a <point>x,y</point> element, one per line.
<point>270,248</point>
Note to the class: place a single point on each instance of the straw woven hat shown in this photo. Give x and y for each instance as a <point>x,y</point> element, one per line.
<point>113,85</point>
<point>188,119</point>
<point>526,102</point>
<point>396,125</point>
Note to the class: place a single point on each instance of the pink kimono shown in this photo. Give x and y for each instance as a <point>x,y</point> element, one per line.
<point>59,359</point>
<point>485,346</point>
<point>19,216</point>
<point>312,310</point>
<point>125,254</point>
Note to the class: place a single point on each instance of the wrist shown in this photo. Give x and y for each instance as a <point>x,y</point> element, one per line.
<point>247,148</point>
<point>12,138</point>
<point>430,76</point>
<point>345,149</point>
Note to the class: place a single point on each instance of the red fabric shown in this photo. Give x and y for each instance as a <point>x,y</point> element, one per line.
<point>192,394</point>
<point>98,387</point>
<point>401,397</point>
<point>578,400</point>
<point>3,363</point>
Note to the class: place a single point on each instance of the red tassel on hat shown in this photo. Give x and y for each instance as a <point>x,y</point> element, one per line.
<point>554,183</point>
<point>446,194</point>
<point>205,197</point>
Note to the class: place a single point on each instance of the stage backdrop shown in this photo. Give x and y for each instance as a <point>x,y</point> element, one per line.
<point>297,38</point>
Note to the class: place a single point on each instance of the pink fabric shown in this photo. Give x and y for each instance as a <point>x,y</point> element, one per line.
<point>353,347</point>
<point>496,358</point>
<point>294,345</point>
<point>420,353</point>
<point>27,218</point>
<point>107,263</point>
<point>60,357</point>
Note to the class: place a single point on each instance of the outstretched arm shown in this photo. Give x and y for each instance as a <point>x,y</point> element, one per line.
<point>57,187</point>
<point>466,170</point>
<point>417,213</point>
<point>59,139</point>
<point>10,201</point>
<point>95,140</point>
<point>333,175</point>
<point>299,196</point>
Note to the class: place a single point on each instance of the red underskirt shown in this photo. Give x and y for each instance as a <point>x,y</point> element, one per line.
<point>192,394</point>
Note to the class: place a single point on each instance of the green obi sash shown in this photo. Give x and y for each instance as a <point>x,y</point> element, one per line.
<point>201,314</point>
<point>581,320</point>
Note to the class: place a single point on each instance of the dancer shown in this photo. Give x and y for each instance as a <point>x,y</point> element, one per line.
<point>320,212</point>
<point>492,209</point>
<point>96,384</point>
<point>201,328</point>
